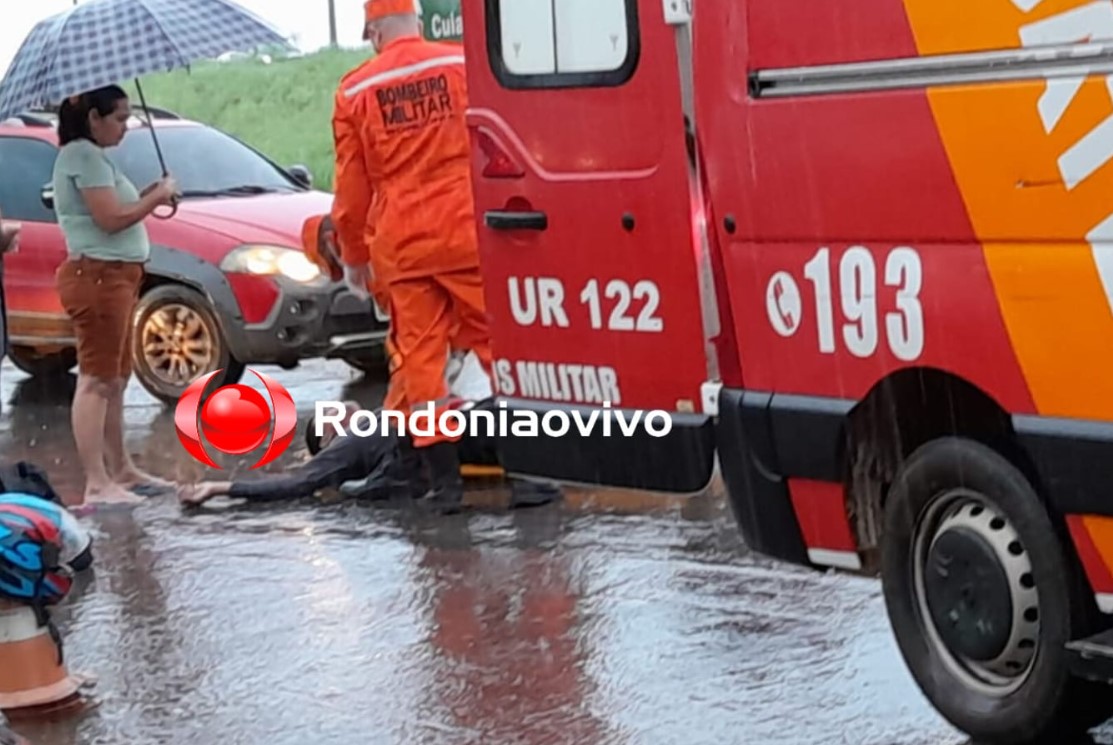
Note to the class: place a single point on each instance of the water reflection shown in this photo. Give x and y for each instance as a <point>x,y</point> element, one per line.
<point>612,618</point>
<point>509,640</point>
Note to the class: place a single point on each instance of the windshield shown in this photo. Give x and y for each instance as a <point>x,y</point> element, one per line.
<point>203,160</point>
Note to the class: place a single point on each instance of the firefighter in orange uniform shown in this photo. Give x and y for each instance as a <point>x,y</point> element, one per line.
<point>405,216</point>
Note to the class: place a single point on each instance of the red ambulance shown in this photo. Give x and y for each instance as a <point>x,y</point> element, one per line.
<point>863,251</point>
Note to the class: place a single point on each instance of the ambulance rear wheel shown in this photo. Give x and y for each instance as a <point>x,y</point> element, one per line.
<point>982,597</point>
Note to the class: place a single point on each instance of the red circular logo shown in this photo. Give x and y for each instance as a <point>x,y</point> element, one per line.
<point>235,419</point>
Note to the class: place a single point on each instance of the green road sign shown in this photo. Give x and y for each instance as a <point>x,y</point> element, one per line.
<point>442,19</point>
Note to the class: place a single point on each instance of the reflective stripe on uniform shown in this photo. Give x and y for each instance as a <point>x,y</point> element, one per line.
<point>401,72</point>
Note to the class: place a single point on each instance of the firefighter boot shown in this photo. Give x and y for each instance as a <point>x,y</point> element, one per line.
<point>410,467</point>
<point>447,493</point>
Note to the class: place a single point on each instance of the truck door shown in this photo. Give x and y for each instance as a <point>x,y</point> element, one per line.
<point>582,182</point>
<point>36,317</point>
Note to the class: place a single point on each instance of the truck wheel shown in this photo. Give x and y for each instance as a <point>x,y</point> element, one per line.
<point>176,340</point>
<point>982,597</point>
<point>43,364</point>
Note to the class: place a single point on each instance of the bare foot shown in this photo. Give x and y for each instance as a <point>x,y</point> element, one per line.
<point>111,494</point>
<point>133,477</point>
<point>197,494</point>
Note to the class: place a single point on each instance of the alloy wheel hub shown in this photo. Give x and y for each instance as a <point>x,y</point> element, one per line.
<point>177,344</point>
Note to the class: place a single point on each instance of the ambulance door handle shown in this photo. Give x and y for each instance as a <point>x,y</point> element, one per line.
<point>513,220</point>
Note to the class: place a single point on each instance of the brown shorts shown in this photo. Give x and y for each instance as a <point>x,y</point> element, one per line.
<point>100,297</point>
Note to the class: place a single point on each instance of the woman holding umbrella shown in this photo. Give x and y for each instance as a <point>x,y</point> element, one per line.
<point>101,215</point>
<point>86,48</point>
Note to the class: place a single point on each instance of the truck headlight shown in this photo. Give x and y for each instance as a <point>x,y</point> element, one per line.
<point>271,260</point>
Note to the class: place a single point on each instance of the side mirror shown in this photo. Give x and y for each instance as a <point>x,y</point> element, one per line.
<point>47,196</point>
<point>302,175</point>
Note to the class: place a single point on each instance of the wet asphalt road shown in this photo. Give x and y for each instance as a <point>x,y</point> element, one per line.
<point>612,618</point>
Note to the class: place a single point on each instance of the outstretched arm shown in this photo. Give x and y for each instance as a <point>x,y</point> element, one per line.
<point>346,459</point>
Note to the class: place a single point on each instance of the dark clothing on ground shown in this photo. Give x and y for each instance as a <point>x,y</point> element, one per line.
<point>345,459</point>
<point>380,460</point>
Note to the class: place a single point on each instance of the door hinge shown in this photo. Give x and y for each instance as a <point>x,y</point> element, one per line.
<point>678,12</point>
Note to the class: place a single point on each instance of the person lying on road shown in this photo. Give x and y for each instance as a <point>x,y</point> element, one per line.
<point>373,467</point>
<point>380,466</point>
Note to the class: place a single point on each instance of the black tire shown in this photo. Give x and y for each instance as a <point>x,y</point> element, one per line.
<point>1044,703</point>
<point>166,362</point>
<point>43,364</point>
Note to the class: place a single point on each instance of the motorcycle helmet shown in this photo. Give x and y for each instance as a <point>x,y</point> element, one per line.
<point>40,544</point>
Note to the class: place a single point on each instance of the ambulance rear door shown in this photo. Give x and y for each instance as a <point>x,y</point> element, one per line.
<point>584,192</point>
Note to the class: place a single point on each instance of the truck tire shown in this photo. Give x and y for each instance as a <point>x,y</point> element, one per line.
<point>177,339</point>
<point>43,364</point>
<point>982,597</point>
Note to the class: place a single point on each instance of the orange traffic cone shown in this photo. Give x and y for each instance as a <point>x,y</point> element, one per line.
<point>32,675</point>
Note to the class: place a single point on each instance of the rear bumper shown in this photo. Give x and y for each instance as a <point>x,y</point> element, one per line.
<point>680,461</point>
<point>683,460</point>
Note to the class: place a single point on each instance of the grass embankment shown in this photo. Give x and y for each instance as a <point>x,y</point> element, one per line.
<point>283,109</point>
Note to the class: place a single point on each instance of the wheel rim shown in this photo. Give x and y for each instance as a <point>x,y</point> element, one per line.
<point>177,344</point>
<point>975,593</point>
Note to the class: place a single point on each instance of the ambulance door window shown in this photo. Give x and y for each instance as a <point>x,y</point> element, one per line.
<point>527,37</point>
<point>590,35</point>
<point>562,43</point>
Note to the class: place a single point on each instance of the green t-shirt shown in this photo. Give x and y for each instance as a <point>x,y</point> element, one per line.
<point>83,165</point>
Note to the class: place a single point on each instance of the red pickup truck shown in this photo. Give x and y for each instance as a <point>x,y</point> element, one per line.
<point>228,284</point>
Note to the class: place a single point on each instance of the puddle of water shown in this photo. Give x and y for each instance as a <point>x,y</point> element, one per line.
<point>613,618</point>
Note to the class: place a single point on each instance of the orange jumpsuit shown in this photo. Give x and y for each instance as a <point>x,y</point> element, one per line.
<point>321,246</point>
<point>404,204</point>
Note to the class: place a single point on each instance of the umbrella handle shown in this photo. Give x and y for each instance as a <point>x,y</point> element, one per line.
<point>158,151</point>
<point>151,126</point>
<point>173,211</point>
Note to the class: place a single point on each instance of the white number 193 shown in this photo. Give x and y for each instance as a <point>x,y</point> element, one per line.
<point>904,328</point>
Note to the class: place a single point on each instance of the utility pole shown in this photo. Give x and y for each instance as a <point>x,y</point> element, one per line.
<point>331,22</point>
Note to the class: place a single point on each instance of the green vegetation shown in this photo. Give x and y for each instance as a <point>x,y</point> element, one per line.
<point>284,109</point>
